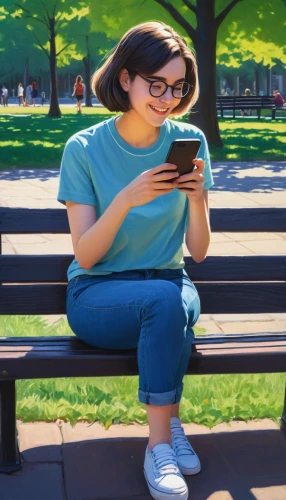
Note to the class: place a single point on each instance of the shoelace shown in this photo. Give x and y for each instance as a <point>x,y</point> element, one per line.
<point>165,461</point>
<point>179,439</point>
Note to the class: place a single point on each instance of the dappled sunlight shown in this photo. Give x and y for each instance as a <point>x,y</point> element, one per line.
<point>14,144</point>
<point>45,144</point>
<point>243,140</point>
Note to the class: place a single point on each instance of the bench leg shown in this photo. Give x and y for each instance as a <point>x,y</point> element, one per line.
<point>10,460</point>
<point>283,418</point>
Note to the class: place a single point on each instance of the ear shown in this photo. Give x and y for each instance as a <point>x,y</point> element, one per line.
<point>124,79</point>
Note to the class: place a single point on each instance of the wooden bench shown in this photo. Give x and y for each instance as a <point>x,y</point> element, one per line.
<point>224,103</point>
<point>36,284</point>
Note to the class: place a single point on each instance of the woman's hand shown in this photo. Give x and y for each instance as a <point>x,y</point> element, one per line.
<point>150,184</point>
<point>192,184</point>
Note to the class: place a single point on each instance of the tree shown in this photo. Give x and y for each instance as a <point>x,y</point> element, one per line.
<point>90,48</point>
<point>199,21</point>
<point>54,16</point>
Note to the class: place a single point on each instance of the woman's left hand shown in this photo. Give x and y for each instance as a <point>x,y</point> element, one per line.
<point>192,184</point>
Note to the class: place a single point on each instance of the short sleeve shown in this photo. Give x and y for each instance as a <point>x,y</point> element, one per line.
<point>75,182</point>
<point>205,155</point>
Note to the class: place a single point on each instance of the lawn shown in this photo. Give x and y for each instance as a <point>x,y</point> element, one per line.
<point>30,139</point>
<point>207,400</point>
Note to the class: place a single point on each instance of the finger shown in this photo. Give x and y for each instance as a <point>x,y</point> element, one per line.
<point>190,177</point>
<point>199,163</point>
<point>194,186</point>
<point>163,166</point>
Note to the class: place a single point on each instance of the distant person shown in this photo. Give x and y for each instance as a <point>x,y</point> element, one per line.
<point>78,92</point>
<point>247,93</point>
<point>43,97</point>
<point>278,99</point>
<point>20,93</point>
<point>4,96</point>
<point>224,92</point>
<point>228,91</point>
<point>28,93</point>
<point>34,92</point>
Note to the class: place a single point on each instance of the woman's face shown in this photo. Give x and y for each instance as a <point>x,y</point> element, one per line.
<point>144,104</point>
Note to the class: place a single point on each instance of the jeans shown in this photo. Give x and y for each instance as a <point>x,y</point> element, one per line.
<point>153,310</point>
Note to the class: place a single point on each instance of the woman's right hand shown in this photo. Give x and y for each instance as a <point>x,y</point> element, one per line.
<point>150,184</point>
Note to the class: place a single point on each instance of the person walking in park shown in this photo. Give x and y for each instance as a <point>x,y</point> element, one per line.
<point>20,93</point>
<point>28,93</point>
<point>34,93</point>
<point>4,94</point>
<point>128,212</point>
<point>78,92</point>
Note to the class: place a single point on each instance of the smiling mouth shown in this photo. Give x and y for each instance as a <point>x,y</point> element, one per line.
<point>159,111</point>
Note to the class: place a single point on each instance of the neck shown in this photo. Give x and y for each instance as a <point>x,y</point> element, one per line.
<point>135,131</point>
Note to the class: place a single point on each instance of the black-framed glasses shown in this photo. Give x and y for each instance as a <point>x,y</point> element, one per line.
<point>159,88</point>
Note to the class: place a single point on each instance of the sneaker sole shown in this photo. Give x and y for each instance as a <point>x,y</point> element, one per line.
<point>190,472</point>
<point>160,495</point>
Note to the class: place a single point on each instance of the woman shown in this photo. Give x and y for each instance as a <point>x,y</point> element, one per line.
<point>78,92</point>
<point>34,93</point>
<point>127,284</point>
<point>20,93</point>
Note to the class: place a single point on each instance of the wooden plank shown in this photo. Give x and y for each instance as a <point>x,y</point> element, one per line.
<point>38,221</point>
<point>207,339</point>
<point>216,298</point>
<point>53,268</point>
<point>29,365</point>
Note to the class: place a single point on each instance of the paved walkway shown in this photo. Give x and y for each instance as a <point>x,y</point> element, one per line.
<point>243,461</point>
<point>239,462</point>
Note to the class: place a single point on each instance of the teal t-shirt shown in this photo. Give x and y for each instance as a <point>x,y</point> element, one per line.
<point>97,164</point>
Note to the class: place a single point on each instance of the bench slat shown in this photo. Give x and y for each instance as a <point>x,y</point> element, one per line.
<point>75,343</point>
<point>53,268</point>
<point>55,221</point>
<point>253,357</point>
<point>216,298</point>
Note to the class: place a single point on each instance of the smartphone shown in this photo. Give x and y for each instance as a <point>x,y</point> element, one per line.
<point>181,153</point>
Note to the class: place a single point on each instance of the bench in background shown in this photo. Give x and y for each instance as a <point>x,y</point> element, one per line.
<point>36,284</point>
<point>225,103</point>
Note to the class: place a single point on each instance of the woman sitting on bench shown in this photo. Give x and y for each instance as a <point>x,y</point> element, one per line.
<point>127,287</point>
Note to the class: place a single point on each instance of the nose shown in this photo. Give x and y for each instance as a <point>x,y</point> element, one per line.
<point>167,97</point>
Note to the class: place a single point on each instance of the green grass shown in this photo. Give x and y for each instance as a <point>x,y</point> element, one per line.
<point>207,400</point>
<point>30,139</point>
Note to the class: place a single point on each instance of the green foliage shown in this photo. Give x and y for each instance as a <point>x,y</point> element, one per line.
<point>253,30</point>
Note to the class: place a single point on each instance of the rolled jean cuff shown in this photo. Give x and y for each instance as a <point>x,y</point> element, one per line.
<point>161,399</point>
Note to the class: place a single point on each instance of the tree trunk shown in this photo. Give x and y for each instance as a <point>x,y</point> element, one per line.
<point>26,73</point>
<point>54,111</point>
<point>257,87</point>
<point>205,116</point>
<point>87,67</point>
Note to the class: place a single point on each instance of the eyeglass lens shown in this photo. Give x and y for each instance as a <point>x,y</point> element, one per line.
<point>158,88</point>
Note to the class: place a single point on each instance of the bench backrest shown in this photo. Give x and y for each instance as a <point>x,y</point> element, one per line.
<point>36,284</point>
<point>264,101</point>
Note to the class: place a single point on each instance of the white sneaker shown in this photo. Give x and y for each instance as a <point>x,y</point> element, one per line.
<point>188,462</point>
<point>162,474</point>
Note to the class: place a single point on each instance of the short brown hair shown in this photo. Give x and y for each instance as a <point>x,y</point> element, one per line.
<point>79,79</point>
<point>145,49</point>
